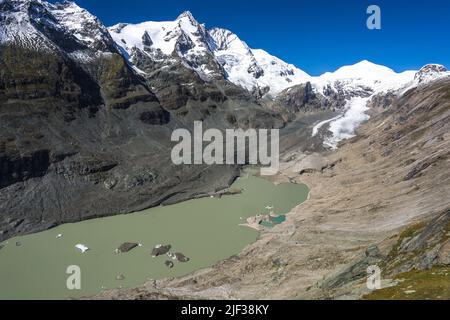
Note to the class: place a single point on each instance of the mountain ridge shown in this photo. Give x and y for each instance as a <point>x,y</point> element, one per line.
<point>255,69</point>
<point>213,53</point>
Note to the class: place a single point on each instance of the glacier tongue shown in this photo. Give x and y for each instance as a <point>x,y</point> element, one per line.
<point>344,127</point>
<point>357,83</point>
<point>365,80</point>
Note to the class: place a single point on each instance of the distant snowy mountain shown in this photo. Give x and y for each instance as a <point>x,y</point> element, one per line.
<point>219,52</point>
<point>358,84</point>
<point>431,72</point>
<point>214,54</point>
<point>210,52</point>
<point>363,76</point>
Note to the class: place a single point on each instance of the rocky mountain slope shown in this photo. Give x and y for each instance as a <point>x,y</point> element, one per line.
<point>381,199</point>
<point>83,134</point>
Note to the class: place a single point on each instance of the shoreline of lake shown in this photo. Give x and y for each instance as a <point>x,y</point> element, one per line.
<point>206,230</point>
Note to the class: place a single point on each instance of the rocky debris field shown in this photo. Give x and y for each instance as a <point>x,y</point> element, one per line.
<point>373,202</point>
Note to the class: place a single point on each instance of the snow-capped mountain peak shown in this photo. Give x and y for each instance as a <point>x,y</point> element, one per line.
<point>254,69</point>
<point>431,72</point>
<point>163,34</point>
<point>187,15</point>
<point>210,52</point>
<point>61,26</point>
<point>184,37</point>
<point>364,76</point>
<point>362,69</point>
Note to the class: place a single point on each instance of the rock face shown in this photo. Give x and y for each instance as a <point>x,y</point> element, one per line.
<point>304,98</point>
<point>422,246</point>
<point>354,271</point>
<point>310,164</point>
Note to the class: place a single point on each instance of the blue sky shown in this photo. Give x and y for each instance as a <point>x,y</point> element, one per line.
<point>317,36</point>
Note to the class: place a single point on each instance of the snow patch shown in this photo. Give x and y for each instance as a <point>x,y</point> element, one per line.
<point>317,127</point>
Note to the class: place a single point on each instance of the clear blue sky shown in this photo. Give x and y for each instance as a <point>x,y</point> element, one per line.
<point>315,35</point>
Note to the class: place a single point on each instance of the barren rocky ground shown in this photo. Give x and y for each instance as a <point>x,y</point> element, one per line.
<point>382,198</point>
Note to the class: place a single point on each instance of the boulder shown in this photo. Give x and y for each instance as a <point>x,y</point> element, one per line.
<point>127,246</point>
<point>160,250</point>
<point>181,257</point>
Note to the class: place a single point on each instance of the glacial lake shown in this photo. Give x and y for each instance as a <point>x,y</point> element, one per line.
<point>206,230</point>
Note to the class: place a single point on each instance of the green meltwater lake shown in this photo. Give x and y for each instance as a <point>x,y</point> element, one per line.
<point>205,230</point>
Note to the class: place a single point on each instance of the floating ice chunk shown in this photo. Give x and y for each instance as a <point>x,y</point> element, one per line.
<point>82,247</point>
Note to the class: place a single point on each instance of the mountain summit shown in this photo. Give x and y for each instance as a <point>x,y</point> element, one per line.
<point>431,72</point>
<point>187,14</point>
<point>214,52</point>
